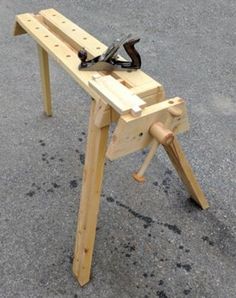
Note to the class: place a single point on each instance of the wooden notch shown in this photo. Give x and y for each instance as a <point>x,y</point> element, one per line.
<point>102,114</point>
<point>18,30</point>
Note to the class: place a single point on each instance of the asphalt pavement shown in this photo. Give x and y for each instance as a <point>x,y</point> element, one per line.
<point>152,240</point>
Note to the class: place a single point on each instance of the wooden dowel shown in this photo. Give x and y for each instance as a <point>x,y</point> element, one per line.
<point>175,112</point>
<point>160,135</point>
<point>139,176</point>
<point>45,80</point>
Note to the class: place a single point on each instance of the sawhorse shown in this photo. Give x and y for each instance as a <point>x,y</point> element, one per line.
<point>132,99</point>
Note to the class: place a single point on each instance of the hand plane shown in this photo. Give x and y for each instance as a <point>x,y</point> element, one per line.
<point>109,59</point>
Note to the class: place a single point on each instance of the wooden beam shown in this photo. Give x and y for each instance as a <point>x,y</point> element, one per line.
<point>186,173</point>
<point>119,97</point>
<point>90,199</point>
<point>45,80</point>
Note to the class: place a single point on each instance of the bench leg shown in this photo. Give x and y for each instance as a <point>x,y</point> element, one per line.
<point>90,198</point>
<point>186,173</point>
<point>45,80</point>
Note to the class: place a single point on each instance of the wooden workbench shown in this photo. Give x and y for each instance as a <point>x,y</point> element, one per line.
<point>132,99</point>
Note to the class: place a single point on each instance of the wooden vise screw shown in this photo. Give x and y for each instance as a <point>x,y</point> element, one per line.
<point>161,135</point>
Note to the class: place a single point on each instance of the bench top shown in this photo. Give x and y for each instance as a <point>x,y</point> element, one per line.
<point>62,39</point>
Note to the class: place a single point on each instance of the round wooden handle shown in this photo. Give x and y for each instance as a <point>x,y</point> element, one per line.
<point>163,135</point>
<point>175,112</point>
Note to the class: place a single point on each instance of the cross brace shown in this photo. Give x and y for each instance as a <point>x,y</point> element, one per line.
<point>132,99</point>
